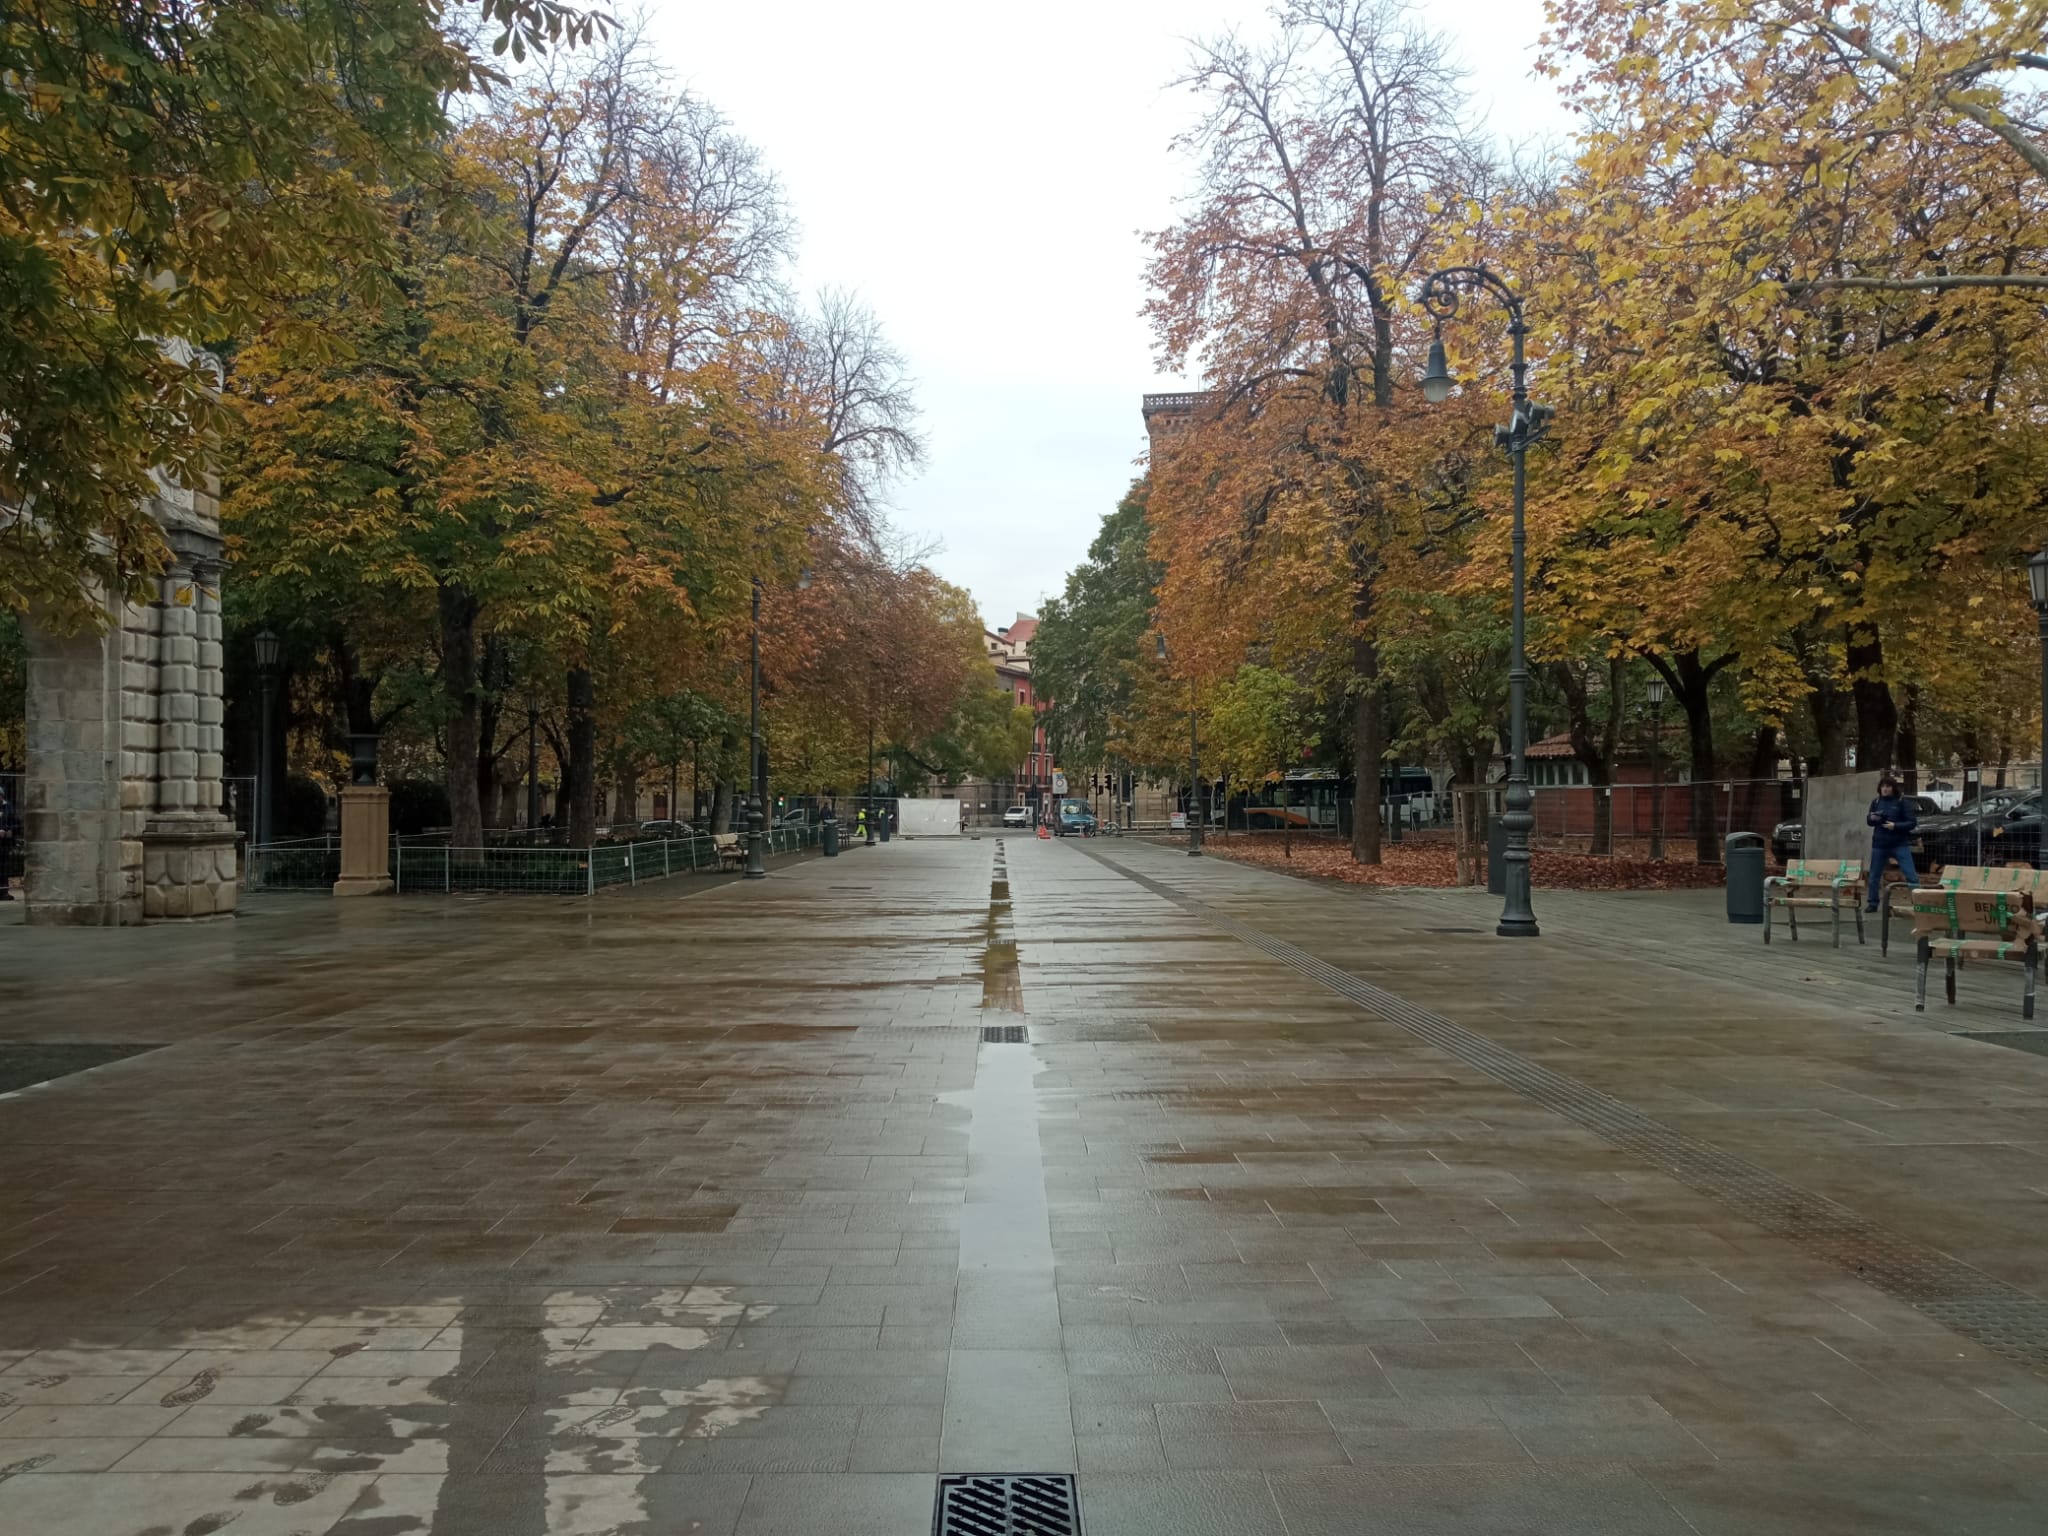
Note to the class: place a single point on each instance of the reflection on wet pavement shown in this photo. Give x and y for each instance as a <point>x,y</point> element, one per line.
<point>643,1215</point>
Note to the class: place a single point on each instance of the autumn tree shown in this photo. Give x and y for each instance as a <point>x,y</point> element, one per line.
<point>1324,155</point>
<point>172,170</point>
<point>1261,723</point>
<point>552,423</point>
<point>1787,286</point>
<point>1090,640</point>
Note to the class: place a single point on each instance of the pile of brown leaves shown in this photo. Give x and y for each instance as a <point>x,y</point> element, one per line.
<point>1434,864</point>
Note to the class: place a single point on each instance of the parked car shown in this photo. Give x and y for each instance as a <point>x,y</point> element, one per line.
<point>1944,794</point>
<point>662,831</point>
<point>1017,816</point>
<point>2002,827</point>
<point>1788,837</point>
<point>1075,817</point>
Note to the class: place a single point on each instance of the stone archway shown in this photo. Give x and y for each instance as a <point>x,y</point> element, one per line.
<point>121,794</point>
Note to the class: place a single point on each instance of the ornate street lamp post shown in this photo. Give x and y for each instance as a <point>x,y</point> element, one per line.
<point>1442,295</point>
<point>1195,814</point>
<point>268,650</point>
<point>532,769</point>
<point>757,814</point>
<point>1656,691</point>
<point>757,750</point>
<point>2037,580</point>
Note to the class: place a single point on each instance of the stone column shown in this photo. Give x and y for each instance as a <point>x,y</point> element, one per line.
<point>188,845</point>
<point>72,789</point>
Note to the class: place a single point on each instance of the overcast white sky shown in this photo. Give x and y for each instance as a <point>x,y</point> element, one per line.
<point>979,175</point>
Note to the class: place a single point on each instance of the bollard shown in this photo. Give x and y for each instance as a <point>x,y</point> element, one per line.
<point>829,837</point>
<point>1744,856</point>
<point>883,829</point>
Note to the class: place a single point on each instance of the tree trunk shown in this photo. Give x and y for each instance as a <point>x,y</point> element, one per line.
<point>1596,751</point>
<point>490,706</point>
<point>582,774</point>
<point>1763,755</point>
<point>1909,741</point>
<point>1760,806</point>
<point>1368,746</point>
<point>1468,818</point>
<point>458,611</point>
<point>1830,709</point>
<point>1694,693</point>
<point>721,805</point>
<point>1877,714</point>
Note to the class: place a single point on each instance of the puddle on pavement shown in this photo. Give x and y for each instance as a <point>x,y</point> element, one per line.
<point>537,1388</point>
<point>1002,989</point>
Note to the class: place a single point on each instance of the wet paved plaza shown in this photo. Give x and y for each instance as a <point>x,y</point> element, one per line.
<point>687,1211</point>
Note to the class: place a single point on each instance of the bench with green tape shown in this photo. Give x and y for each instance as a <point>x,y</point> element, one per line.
<point>1835,884</point>
<point>1963,920</point>
<point>1954,877</point>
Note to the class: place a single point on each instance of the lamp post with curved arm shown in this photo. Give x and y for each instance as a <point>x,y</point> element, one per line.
<point>1443,294</point>
<point>757,810</point>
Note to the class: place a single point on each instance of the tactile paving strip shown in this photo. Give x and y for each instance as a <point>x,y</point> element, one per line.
<point>1007,1505</point>
<point>2003,1318</point>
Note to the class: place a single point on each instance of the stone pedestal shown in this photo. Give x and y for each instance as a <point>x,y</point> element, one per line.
<point>365,841</point>
<point>188,868</point>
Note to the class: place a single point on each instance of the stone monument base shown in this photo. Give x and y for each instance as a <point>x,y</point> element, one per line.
<point>188,868</point>
<point>365,841</point>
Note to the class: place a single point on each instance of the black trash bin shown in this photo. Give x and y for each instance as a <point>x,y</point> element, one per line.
<point>1496,856</point>
<point>1745,863</point>
<point>828,837</point>
<point>882,825</point>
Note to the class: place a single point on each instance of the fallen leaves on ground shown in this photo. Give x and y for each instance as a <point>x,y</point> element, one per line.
<point>1435,864</point>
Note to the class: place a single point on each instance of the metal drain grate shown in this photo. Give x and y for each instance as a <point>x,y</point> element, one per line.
<point>1009,1505</point>
<point>1004,1034</point>
<point>2001,1317</point>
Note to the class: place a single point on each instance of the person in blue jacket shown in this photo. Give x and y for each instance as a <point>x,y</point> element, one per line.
<point>1892,822</point>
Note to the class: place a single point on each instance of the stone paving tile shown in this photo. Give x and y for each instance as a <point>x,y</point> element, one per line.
<point>533,1218</point>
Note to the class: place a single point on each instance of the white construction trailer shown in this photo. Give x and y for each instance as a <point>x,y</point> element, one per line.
<point>929,818</point>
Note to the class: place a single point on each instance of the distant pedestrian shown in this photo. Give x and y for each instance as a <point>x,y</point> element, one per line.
<point>1892,822</point>
<point>7,833</point>
<point>860,825</point>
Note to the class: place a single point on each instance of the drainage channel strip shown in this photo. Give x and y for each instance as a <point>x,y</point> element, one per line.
<point>2004,1319</point>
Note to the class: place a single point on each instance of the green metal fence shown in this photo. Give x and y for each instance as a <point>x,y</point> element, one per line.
<point>293,864</point>
<point>423,864</point>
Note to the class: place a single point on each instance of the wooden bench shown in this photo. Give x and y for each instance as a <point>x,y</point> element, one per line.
<point>1962,924</point>
<point>1829,883</point>
<point>1955,877</point>
<point>731,853</point>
